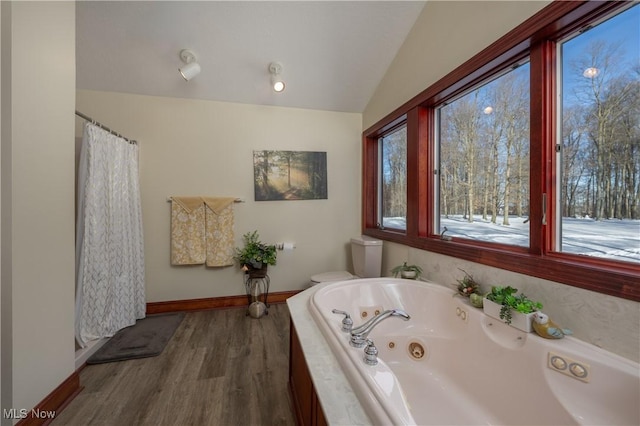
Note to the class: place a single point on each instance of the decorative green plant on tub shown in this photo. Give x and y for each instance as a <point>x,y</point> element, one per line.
<point>407,271</point>
<point>507,298</point>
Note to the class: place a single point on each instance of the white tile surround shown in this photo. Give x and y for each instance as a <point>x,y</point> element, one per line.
<point>608,322</point>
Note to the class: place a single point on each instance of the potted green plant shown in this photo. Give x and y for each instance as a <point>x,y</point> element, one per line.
<point>255,256</point>
<point>514,309</point>
<point>411,272</point>
<point>469,287</point>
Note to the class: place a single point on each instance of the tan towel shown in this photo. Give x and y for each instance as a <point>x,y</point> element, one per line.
<point>188,203</point>
<point>217,204</point>
<point>187,231</point>
<point>219,231</point>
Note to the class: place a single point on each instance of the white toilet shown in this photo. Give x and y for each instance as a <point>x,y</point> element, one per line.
<point>366,253</point>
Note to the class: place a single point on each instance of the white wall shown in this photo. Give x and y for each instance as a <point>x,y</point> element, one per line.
<point>194,147</point>
<point>37,201</point>
<point>445,35</point>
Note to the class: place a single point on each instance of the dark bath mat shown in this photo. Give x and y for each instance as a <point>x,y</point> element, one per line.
<point>146,338</point>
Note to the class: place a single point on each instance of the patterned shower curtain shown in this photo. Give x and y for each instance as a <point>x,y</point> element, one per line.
<point>109,244</point>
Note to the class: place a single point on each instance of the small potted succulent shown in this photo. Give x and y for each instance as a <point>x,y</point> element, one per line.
<point>411,272</point>
<point>514,309</point>
<point>469,287</point>
<point>255,256</point>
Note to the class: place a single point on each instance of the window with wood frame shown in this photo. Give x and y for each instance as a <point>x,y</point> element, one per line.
<point>482,140</point>
<point>598,150</point>
<point>393,179</point>
<point>509,165</point>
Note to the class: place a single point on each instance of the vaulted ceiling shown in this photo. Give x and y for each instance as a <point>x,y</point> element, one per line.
<point>333,53</point>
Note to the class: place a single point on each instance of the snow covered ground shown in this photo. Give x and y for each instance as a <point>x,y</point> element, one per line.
<point>611,239</point>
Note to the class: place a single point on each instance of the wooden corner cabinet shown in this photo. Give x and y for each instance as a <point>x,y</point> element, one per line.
<point>306,406</point>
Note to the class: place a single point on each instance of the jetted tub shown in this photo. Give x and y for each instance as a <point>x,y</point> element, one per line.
<point>452,364</point>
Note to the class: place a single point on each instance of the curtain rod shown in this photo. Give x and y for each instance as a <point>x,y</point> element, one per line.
<point>103,127</point>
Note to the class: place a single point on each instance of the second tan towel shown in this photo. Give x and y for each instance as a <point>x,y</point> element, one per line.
<point>219,231</point>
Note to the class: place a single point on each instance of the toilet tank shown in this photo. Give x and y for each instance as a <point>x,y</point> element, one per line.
<point>366,253</point>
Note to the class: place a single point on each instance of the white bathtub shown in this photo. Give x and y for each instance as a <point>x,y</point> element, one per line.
<point>474,369</point>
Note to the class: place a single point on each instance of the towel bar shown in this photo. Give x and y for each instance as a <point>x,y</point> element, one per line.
<point>237,200</point>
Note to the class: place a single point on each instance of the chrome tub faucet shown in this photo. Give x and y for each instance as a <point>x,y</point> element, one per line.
<point>359,334</point>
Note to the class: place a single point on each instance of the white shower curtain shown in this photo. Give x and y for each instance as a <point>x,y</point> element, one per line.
<point>109,244</point>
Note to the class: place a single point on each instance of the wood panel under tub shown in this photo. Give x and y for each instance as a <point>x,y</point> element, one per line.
<point>306,406</point>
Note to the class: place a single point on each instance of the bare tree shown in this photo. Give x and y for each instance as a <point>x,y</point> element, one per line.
<point>573,160</point>
<point>394,189</point>
<point>607,90</point>
<point>464,117</point>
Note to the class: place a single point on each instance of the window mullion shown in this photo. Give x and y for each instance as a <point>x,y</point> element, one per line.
<point>542,133</point>
<point>370,181</point>
<point>418,169</point>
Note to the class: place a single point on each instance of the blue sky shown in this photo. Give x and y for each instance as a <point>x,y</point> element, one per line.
<point>623,29</point>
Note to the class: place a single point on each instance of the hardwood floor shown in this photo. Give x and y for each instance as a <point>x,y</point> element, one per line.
<point>220,368</point>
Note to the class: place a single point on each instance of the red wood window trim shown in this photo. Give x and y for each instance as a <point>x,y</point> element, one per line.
<point>535,38</point>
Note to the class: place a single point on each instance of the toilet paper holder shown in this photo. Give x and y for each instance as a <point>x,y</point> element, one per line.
<point>285,246</point>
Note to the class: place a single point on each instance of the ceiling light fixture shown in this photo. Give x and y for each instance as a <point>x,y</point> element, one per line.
<point>275,68</point>
<point>591,72</point>
<point>191,67</point>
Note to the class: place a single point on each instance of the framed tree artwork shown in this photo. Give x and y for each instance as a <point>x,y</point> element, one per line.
<point>289,175</point>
